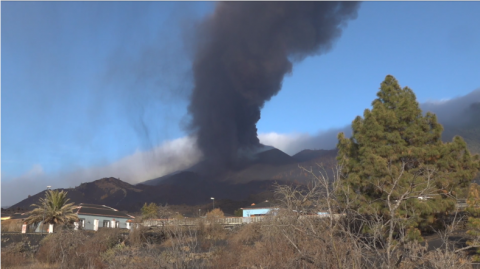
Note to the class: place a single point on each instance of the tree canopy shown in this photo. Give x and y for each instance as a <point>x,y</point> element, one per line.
<point>396,162</point>
<point>150,211</point>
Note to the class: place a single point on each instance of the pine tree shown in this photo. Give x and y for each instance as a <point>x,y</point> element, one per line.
<point>396,167</point>
<point>473,224</point>
<point>150,211</point>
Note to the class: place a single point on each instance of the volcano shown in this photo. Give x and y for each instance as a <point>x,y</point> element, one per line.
<point>269,165</point>
<point>195,186</point>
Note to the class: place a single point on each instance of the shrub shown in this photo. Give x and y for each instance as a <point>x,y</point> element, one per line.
<point>216,213</point>
<point>12,225</point>
<point>238,213</point>
<point>12,259</point>
<point>16,255</point>
<point>137,236</point>
<point>78,249</point>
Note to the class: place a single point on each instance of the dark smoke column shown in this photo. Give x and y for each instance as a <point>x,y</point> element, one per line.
<point>243,51</point>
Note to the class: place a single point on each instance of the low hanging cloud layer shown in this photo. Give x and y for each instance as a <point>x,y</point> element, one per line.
<point>295,142</point>
<point>140,166</point>
<point>169,157</point>
<point>452,112</point>
<point>456,111</point>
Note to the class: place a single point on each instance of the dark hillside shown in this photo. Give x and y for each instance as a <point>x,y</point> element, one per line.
<point>182,178</point>
<point>309,155</point>
<point>107,191</point>
<point>274,157</point>
<point>185,188</point>
<point>468,128</point>
<point>189,187</point>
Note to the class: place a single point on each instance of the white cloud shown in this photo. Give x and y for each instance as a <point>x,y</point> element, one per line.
<point>284,142</point>
<point>294,142</point>
<point>169,157</point>
<point>437,102</point>
<point>140,166</point>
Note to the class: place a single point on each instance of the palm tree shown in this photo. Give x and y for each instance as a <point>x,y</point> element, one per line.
<point>54,209</point>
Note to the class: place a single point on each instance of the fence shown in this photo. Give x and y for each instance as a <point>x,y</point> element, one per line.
<point>196,221</point>
<point>223,221</point>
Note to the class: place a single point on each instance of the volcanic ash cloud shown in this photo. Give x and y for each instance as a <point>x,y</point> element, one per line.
<point>241,54</point>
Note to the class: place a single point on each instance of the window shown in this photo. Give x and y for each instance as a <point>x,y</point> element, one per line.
<point>117,224</point>
<point>82,223</point>
<point>106,223</point>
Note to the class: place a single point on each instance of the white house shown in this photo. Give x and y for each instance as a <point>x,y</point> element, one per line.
<point>92,217</point>
<point>259,209</point>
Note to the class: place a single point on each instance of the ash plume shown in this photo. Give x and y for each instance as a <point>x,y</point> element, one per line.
<point>241,54</point>
<point>459,111</point>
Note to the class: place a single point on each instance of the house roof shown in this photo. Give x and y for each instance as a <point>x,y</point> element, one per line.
<point>265,204</point>
<point>96,206</point>
<point>101,210</point>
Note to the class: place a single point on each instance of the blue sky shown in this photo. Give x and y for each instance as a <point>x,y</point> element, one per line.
<point>86,85</point>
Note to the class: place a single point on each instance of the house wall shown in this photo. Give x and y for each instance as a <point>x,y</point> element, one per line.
<point>38,227</point>
<point>255,211</point>
<point>89,221</point>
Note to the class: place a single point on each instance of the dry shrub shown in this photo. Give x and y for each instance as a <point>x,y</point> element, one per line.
<point>109,237</point>
<point>272,251</point>
<point>137,236</point>
<point>131,257</point>
<point>203,235</point>
<point>58,247</point>
<point>19,256</point>
<point>209,230</point>
<point>179,235</point>
<point>14,256</point>
<point>216,213</point>
<point>228,257</point>
<point>12,260</point>
<point>12,225</point>
<point>247,234</point>
<point>78,249</point>
<point>288,242</point>
<point>210,234</point>
<point>153,256</point>
<point>441,259</point>
<point>177,216</point>
<point>238,245</point>
<point>181,249</point>
<point>253,246</point>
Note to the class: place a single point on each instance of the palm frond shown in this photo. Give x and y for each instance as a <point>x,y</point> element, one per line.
<point>54,209</point>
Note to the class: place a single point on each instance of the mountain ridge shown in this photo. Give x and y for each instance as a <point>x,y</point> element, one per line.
<point>189,187</point>
<point>194,186</point>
